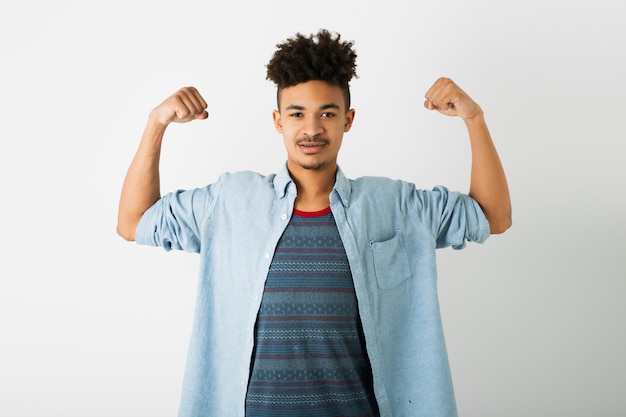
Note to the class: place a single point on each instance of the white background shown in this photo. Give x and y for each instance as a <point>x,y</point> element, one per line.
<point>91,325</point>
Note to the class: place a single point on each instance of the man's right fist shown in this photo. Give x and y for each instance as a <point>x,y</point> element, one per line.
<point>183,106</point>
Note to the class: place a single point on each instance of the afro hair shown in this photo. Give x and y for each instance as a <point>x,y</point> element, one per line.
<point>322,56</point>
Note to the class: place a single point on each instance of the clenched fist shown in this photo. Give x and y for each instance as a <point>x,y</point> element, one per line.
<point>183,106</point>
<point>447,98</point>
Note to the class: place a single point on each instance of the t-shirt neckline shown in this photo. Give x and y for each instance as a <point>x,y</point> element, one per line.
<point>318,213</point>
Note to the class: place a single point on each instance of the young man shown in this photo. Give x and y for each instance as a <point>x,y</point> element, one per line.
<point>317,294</point>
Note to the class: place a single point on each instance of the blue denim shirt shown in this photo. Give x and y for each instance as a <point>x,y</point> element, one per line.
<point>390,231</point>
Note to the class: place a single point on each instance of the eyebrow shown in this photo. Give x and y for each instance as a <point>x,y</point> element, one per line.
<point>323,107</point>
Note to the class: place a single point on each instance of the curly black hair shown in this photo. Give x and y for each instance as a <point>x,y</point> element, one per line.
<point>322,56</point>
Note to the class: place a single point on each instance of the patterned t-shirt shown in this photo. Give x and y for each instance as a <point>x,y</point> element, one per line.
<point>309,357</point>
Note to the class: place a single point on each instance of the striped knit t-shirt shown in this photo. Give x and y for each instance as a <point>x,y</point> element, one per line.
<point>309,357</point>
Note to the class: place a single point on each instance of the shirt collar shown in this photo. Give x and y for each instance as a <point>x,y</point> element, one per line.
<point>342,188</point>
<point>283,184</point>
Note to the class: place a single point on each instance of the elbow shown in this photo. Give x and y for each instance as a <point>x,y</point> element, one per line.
<point>500,226</point>
<point>499,218</point>
<point>125,232</point>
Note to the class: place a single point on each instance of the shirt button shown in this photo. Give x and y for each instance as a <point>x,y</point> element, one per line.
<point>284,217</point>
<point>267,255</point>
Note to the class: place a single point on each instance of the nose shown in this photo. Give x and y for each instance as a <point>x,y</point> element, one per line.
<point>312,127</point>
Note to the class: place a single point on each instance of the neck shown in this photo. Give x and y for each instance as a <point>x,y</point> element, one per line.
<point>314,186</point>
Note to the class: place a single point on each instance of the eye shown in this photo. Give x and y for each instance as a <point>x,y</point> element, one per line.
<point>328,114</point>
<point>296,114</point>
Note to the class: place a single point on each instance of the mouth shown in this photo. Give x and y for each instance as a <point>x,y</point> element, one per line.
<point>311,147</point>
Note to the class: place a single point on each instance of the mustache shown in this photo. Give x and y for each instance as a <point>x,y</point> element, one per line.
<point>312,139</point>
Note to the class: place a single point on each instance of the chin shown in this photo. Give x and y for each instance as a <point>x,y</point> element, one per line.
<point>311,164</point>
<point>313,167</point>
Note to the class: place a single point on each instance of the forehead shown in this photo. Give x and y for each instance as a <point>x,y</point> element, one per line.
<point>312,94</point>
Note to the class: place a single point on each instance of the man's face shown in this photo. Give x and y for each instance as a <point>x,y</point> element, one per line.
<point>312,119</point>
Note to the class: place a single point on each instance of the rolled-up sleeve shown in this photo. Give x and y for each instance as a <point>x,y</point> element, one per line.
<point>175,221</point>
<point>454,218</point>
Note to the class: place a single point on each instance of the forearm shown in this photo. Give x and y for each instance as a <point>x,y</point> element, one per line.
<point>141,186</point>
<point>488,185</point>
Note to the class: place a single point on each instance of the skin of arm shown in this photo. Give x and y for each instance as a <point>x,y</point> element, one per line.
<point>488,185</point>
<point>141,188</point>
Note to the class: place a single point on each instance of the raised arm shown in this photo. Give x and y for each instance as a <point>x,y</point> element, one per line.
<point>488,185</point>
<point>141,186</point>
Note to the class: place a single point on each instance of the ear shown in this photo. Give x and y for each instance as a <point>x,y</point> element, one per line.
<point>278,123</point>
<point>349,119</point>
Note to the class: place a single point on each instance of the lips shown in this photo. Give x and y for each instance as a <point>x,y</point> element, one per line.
<point>311,146</point>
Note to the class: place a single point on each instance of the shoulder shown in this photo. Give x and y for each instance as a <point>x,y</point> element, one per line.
<point>389,185</point>
<point>245,178</point>
<point>245,186</point>
<point>399,193</point>
<point>380,185</point>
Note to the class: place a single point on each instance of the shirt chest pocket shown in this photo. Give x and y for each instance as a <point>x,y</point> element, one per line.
<point>391,262</point>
